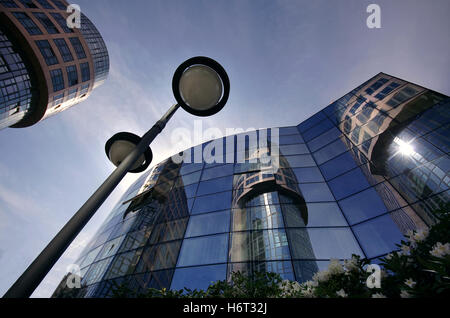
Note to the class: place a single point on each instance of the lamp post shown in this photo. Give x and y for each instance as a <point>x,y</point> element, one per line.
<point>201,87</point>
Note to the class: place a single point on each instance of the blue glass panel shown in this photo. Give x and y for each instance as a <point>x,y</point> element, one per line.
<point>296,149</point>
<point>198,277</point>
<point>424,181</point>
<point>291,139</point>
<point>348,183</point>
<point>215,185</point>
<point>317,130</point>
<point>204,250</point>
<point>432,118</point>
<point>191,178</point>
<point>214,202</point>
<point>330,151</point>
<point>210,223</point>
<point>378,236</point>
<point>316,192</point>
<point>259,245</point>
<point>362,206</point>
<point>338,165</point>
<point>190,167</point>
<point>311,121</point>
<point>300,161</point>
<point>216,172</point>
<point>325,214</point>
<point>324,139</point>
<point>440,138</point>
<point>283,268</point>
<point>288,131</point>
<point>190,190</point>
<point>310,174</point>
<point>326,243</point>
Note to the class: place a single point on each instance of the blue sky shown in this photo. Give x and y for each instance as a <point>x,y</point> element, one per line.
<point>286,60</point>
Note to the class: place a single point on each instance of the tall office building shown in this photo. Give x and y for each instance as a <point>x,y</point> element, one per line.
<point>352,179</point>
<point>45,66</point>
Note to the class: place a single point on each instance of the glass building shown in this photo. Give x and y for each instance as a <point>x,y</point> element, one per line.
<point>45,66</point>
<point>352,179</point>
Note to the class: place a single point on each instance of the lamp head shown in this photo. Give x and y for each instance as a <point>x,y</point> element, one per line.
<point>119,146</point>
<point>201,86</point>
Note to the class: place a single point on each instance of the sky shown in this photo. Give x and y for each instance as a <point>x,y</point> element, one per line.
<point>286,60</point>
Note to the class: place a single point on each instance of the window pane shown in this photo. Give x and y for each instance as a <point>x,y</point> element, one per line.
<point>362,206</point>
<point>338,165</point>
<point>259,217</point>
<point>135,239</point>
<point>317,130</point>
<point>300,161</point>
<point>27,23</point>
<point>161,256</point>
<point>316,192</point>
<point>290,139</point>
<point>318,214</point>
<point>8,4</point>
<point>378,236</point>
<point>296,149</point>
<point>259,246</point>
<point>46,22</point>
<point>85,72</point>
<point>198,277</point>
<point>45,4</point>
<point>348,183</point>
<point>284,268</point>
<point>191,178</point>
<point>190,190</point>
<point>305,175</point>
<point>324,139</point>
<point>47,52</point>
<point>312,121</point>
<point>123,264</point>
<point>330,151</point>
<point>190,167</point>
<point>63,50</point>
<point>72,75</point>
<point>57,79</point>
<point>216,172</point>
<point>316,243</point>
<point>110,248</point>
<point>204,250</point>
<point>214,202</point>
<point>210,223</point>
<point>215,185</point>
<point>61,21</point>
<point>96,272</point>
<point>288,130</point>
<point>78,47</point>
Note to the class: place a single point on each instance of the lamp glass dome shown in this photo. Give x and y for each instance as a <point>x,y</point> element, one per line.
<point>200,87</point>
<point>120,149</point>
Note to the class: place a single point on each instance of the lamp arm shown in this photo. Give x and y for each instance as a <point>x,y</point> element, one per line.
<point>36,272</point>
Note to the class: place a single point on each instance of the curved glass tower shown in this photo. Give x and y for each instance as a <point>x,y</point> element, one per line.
<point>352,179</point>
<point>45,66</point>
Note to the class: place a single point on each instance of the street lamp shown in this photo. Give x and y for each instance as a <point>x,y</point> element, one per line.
<point>201,87</point>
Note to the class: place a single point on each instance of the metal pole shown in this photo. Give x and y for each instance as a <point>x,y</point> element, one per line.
<point>36,272</point>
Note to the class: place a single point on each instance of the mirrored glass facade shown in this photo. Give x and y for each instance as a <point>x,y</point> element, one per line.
<point>352,179</point>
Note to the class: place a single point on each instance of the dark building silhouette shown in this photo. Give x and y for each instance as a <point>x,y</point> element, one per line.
<point>45,66</point>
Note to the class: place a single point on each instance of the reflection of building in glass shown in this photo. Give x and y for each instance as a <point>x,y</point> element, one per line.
<point>45,66</point>
<point>351,180</point>
<point>262,196</point>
